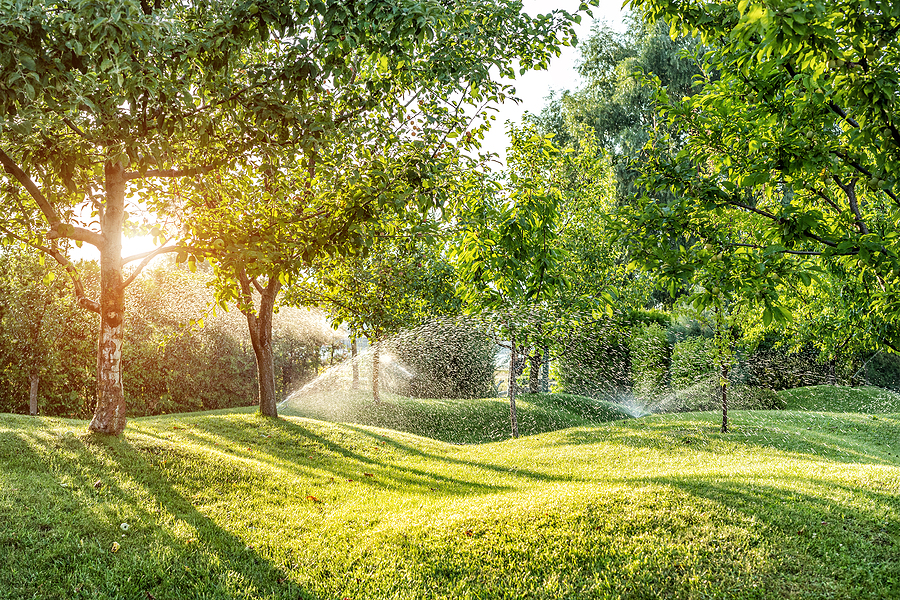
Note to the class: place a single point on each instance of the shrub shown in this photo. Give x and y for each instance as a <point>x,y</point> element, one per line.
<point>595,361</point>
<point>445,360</point>
<point>881,370</point>
<point>778,369</point>
<point>693,359</point>
<point>705,394</point>
<point>649,353</point>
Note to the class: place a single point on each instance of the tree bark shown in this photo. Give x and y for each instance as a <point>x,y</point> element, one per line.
<point>513,417</point>
<point>545,371</point>
<point>260,325</point>
<point>534,372</point>
<point>354,352</point>
<point>35,381</point>
<point>376,368</point>
<point>724,391</point>
<point>110,412</point>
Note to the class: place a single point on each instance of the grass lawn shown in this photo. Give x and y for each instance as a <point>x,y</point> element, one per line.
<point>233,505</point>
<point>458,421</point>
<point>833,398</point>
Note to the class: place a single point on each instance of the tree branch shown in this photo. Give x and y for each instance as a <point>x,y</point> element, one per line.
<point>785,251</point>
<point>850,192</point>
<point>13,169</point>
<point>172,172</point>
<point>81,298</point>
<point>79,234</point>
<point>258,287</point>
<point>74,233</point>
<point>147,257</point>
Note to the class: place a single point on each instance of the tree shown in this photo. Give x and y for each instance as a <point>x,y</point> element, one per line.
<point>99,101</point>
<point>106,107</point>
<point>390,120</point>
<point>609,120</point>
<point>783,160</point>
<point>398,284</point>
<point>508,253</point>
<point>34,315</point>
<point>613,110</point>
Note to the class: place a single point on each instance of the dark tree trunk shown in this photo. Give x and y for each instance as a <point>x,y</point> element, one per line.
<point>724,391</point>
<point>545,371</point>
<point>513,417</point>
<point>354,352</point>
<point>534,372</point>
<point>260,325</point>
<point>35,381</point>
<point>376,371</point>
<point>110,412</point>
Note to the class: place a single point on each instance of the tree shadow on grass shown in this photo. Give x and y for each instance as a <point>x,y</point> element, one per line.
<point>847,439</point>
<point>840,548</point>
<point>298,450</point>
<point>518,472</point>
<point>166,549</point>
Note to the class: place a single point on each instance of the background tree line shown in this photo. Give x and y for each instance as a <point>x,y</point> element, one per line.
<point>180,356</point>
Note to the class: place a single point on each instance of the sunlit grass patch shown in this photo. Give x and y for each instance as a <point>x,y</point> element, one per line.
<point>831,398</point>
<point>234,505</point>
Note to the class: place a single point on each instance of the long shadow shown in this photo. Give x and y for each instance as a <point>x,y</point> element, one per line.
<point>280,450</point>
<point>465,463</point>
<point>109,476</point>
<point>856,545</point>
<point>836,438</point>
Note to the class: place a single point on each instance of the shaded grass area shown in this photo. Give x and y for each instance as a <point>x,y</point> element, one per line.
<point>458,421</point>
<point>234,505</point>
<point>832,398</point>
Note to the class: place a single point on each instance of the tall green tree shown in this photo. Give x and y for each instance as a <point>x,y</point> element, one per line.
<point>106,108</point>
<point>385,135</point>
<point>508,254</point>
<point>612,109</point>
<point>784,158</point>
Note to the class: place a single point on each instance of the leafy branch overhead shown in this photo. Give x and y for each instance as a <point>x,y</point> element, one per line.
<point>787,151</point>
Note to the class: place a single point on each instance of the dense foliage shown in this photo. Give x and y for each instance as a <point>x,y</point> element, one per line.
<point>446,360</point>
<point>180,357</point>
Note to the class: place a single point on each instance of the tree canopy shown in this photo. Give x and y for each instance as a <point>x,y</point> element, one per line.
<point>780,165</point>
<point>109,112</point>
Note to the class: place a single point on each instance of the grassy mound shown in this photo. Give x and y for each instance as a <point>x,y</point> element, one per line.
<point>463,421</point>
<point>831,398</point>
<point>233,505</point>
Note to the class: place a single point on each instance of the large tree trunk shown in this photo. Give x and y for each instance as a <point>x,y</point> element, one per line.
<point>260,325</point>
<point>513,417</point>
<point>354,352</point>
<point>109,415</point>
<point>724,391</point>
<point>35,381</point>
<point>376,368</point>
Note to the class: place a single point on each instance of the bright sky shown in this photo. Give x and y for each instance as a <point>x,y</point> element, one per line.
<point>534,86</point>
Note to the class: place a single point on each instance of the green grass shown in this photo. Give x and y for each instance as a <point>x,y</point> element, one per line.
<point>830,398</point>
<point>233,505</point>
<point>458,421</point>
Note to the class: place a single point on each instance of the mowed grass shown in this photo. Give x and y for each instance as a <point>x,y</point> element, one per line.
<point>458,421</point>
<point>234,505</point>
<point>832,398</point>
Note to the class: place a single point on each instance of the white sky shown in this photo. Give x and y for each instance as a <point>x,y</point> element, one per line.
<point>534,86</point>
